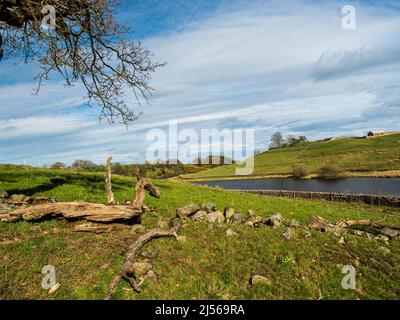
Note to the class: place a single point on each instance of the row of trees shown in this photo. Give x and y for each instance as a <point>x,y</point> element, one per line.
<point>77,164</point>
<point>156,169</point>
<point>279,141</point>
<point>207,161</point>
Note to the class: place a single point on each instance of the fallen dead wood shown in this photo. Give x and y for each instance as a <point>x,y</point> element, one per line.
<point>109,193</point>
<point>73,211</point>
<point>321,224</point>
<point>133,250</point>
<point>342,227</point>
<point>141,186</point>
<point>92,212</point>
<point>344,223</point>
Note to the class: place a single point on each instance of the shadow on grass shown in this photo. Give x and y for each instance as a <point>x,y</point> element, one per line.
<point>54,183</point>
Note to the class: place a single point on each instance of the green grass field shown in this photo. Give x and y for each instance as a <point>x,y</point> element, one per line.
<point>209,265</point>
<point>354,155</point>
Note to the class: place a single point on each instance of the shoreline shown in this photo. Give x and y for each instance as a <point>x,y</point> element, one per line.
<point>369,174</point>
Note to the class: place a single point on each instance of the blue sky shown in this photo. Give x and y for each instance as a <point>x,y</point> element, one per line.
<point>265,65</point>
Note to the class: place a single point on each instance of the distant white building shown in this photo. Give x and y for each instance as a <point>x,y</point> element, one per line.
<point>377,133</point>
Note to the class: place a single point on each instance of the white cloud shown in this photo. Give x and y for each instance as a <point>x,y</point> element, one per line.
<point>344,62</point>
<point>250,68</point>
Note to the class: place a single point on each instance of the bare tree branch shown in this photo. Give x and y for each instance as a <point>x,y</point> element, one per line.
<point>132,251</point>
<point>87,46</point>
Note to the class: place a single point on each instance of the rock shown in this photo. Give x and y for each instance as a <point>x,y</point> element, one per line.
<point>287,234</point>
<point>149,254</point>
<point>388,232</point>
<point>151,275</point>
<point>187,211</point>
<point>18,199</point>
<point>209,207</point>
<point>237,217</point>
<point>229,212</point>
<point>181,239</point>
<point>140,269</point>
<point>249,224</point>
<point>256,220</point>
<point>342,240</point>
<point>216,216</point>
<point>199,215</point>
<point>3,194</point>
<point>251,213</point>
<point>138,228</point>
<point>259,280</point>
<point>230,233</point>
<point>275,220</point>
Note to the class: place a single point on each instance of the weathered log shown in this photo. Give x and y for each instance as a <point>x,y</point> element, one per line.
<point>342,227</point>
<point>141,186</point>
<point>320,224</point>
<point>138,202</point>
<point>344,223</point>
<point>89,211</point>
<point>73,211</point>
<point>133,250</point>
<point>109,193</point>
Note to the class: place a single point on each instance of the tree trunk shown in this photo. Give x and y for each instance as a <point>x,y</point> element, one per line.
<point>109,193</point>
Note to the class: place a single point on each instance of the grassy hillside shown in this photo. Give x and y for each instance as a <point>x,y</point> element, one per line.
<point>208,265</point>
<point>353,155</point>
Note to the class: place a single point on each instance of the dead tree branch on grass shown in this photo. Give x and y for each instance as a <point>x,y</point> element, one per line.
<point>92,212</point>
<point>133,250</point>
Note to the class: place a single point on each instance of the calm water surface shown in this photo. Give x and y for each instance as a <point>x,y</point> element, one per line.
<point>374,186</point>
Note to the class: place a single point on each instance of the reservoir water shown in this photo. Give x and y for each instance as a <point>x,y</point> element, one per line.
<point>373,186</point>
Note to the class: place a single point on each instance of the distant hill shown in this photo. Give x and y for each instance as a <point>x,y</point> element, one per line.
<point>351,154</point>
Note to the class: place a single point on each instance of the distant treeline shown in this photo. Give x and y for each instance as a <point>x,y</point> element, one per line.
<point>160,169</point>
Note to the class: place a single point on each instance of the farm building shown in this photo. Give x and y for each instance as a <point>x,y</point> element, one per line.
<point>377,133</point>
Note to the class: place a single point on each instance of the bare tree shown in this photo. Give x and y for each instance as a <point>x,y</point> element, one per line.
<point>87,45</point>
<point>277,140</point>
